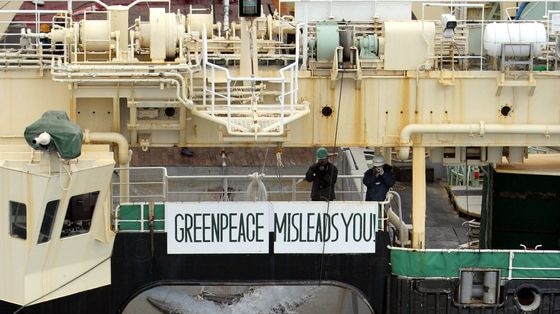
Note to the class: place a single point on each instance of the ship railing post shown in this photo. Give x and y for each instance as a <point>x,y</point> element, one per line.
<point>510,265</point>
<point>294,188</point>
<point>124,183</point>
<point>380,213</point>
<point>418,197</point>
<point>116,214</point>
<point>142,216</point>
<point>165,185</point>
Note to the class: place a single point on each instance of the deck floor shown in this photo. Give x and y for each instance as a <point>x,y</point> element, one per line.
<point>444,226</point>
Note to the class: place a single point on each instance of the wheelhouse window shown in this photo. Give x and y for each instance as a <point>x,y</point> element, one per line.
<point>78,214</point>
<point>48,221</point>
<point>18,220</point>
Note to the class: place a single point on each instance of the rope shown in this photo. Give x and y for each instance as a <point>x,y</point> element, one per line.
<point>62,286</point>
<point>68,172</point>
<point>332,172</point>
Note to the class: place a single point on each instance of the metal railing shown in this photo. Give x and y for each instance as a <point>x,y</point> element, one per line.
<point>145,217</point>
<point>250,113</point>
<point>154,184</point>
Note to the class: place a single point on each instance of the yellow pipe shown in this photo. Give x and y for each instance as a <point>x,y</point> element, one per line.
<point>418,197</point>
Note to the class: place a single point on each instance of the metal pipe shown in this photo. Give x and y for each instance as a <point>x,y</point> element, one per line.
<point>480,128</point>
<point>123,154</point>
<point>466,286</point>
<point>140,1</point>
<point>26,62</point>
<point>175,78</point>
<point>398,221</point>
<point>35,11</point>
<point>419,197</point>
<point>490,287</point>
<point>76,68</point>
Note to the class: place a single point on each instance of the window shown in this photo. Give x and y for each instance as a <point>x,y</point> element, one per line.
<point>78,214</point>
<point>48,221</point>
<point>18,220</point>
<point>250,8</point>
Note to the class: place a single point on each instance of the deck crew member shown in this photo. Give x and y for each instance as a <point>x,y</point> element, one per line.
<point>378,179</point>
<point>323,174</point>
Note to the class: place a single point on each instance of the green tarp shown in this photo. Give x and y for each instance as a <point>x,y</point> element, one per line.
<point>135,217</point>
<point>66,137</point>
<point>443,263</point>
<point>448,263</point>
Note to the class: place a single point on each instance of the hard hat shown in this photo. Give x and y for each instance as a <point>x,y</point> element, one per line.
<point>322,153</point>
<point>45,28</point>
<point>378,161</point>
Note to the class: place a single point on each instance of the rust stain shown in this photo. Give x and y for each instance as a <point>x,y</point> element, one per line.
<point>358,126</point>
<point>405,104</point>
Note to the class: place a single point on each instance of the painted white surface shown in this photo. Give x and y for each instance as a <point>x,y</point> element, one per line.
<point>352,10</point>
<point>243,227</point>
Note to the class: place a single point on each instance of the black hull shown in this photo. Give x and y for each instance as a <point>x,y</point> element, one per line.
<point>135,268</point>
<point>439,296</point>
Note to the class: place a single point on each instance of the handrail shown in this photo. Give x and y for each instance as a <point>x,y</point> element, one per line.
<point>140,222</point>
<point>155,184</point>
<point>233,115</point>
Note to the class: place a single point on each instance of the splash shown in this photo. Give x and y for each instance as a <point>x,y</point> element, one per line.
<point>260,300</point>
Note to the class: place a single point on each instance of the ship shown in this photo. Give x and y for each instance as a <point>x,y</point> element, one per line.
<point>105,106</point>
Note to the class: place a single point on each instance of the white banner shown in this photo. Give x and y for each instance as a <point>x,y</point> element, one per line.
<point>217,227</point>
<point>243,227</point>
<point>312,227</point>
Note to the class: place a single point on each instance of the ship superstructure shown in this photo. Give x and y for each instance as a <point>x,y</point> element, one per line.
<point>467,83</point>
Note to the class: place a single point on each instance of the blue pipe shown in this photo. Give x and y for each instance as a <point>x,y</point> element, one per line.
<point>520,9</point>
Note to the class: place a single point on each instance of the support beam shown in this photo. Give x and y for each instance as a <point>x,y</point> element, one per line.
<point>418,197</point>
<point>387,155</point>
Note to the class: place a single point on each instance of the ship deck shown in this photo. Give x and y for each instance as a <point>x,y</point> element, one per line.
<point>445,226</point>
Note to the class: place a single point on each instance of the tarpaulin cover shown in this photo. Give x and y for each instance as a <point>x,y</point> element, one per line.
<point>448,263</point>
<point>444,263</point>
<point>66,137</point>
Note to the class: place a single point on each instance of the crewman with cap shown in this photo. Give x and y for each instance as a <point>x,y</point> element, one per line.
<point>323,174</point>
<point>378,179</point>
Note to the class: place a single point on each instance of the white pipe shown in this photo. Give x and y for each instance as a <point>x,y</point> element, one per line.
<point>140,1</point>
<point>117,70</point>
<point>76,68</point>
<point>473,128</point>
<point>398,221</point>
<point>23,63</point>
<point>28,67</point>
<point>180,89</point>
<point>35,11</point>
<point>162,77</point>
<point>19,54</point>
<point>123,154</point>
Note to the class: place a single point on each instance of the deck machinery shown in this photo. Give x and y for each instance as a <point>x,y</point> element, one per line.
<point>458,81</point>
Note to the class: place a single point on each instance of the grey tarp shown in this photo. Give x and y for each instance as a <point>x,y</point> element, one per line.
<point>66,137</point>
